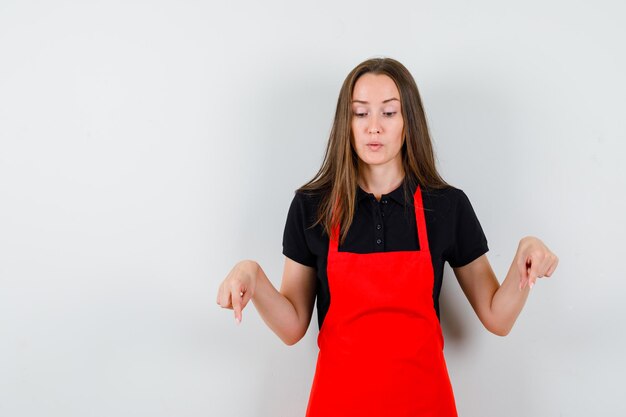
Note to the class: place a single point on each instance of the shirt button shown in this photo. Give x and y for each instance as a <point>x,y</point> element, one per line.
<point>378,227</point>
<point>384,201</point>
<point>379,241</point>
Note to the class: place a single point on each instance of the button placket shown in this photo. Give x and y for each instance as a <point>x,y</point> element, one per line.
<point>378,228</point>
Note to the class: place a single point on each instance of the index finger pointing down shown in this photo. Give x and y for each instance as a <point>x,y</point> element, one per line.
<point>237,296</point>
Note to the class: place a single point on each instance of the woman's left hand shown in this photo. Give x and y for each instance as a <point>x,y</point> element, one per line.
<point>534,260</point>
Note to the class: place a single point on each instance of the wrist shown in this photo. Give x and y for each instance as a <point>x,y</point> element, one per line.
<point>251,269</point>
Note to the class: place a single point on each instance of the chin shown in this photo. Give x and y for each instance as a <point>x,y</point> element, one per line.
<point>371,161</point>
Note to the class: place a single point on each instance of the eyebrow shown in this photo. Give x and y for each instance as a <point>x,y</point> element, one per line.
<point>367,102</point>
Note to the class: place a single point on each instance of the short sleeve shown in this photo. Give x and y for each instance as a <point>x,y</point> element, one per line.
<point>469,241</point>
<point>295,245</point>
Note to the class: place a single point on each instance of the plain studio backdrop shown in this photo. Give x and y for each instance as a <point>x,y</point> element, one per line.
<point>146,147</point>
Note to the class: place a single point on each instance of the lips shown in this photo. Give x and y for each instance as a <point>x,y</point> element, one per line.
<point>374,145</point>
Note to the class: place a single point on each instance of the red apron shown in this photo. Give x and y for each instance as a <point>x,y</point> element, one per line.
<point>380,345</point>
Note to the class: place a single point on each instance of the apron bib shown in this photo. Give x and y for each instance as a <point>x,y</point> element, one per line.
<point>380,345</point>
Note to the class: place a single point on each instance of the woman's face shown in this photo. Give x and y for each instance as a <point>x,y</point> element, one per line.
<point>377,120</point>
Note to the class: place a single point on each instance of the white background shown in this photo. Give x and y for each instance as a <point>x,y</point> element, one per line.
<point>146,147</point>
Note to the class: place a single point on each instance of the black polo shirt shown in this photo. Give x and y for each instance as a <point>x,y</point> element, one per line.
<point>454,233</point>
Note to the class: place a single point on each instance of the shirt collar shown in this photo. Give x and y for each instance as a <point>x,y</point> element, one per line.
<point>397,195</point>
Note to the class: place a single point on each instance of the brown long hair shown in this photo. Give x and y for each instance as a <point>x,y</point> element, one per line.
<point>336,181</point>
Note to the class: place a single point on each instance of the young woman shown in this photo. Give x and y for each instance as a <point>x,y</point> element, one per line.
<point>368,237</point>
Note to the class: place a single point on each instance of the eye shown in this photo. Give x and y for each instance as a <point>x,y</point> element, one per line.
<point>389,113</point>
<point>356,114</point>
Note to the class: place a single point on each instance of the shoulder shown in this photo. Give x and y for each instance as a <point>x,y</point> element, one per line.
<point>444,200</point>
<point>302,242</point>
<point>307,196</point>
<point>450,192</point>
<point>306,199</point>
<point>304,207</point>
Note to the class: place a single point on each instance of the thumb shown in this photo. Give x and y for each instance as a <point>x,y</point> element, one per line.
<point>246,296</point>
<point>532,273</point>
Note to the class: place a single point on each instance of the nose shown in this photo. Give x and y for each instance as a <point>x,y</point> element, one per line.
<point>374,126</point>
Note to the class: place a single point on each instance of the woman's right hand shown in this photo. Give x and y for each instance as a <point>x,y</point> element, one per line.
<point>238,288</point>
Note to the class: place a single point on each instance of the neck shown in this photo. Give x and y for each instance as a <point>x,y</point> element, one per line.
<point>380,180</point>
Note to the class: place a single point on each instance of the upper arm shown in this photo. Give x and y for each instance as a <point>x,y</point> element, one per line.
<point>295,244</point>
<point>298,286</point>
<point>479,284</point>
<point>467,257</point>
<point>299,275</point>
<point>467,239</point>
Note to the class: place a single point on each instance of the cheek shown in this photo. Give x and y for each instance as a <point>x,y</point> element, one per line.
<point>399,127</point>
<point>357,129</point>
<point>394,129</point>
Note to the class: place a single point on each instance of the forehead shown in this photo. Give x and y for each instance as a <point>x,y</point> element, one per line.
<point>375,88</point>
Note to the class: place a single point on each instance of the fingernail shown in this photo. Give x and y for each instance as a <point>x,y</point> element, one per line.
<point>531,284</point>
<point>237,321</point>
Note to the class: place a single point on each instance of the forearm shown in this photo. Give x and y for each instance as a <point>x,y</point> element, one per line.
<point>275,309</point>
<point>507,302</point>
